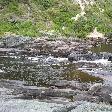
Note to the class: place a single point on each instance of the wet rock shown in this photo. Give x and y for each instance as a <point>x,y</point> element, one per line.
<point>102,92</point>
<point>11,83</point>
<point>68,107</point>
<point>60,92</point>
<point>13,41</point>
<point>106,89</point>
<point>105,94</point>
<point>110,58</point>
<point>2,71</point>
<point>57,47</point>
<point>86,97</point>
<point>100,88</point>
<point>8,51</point>
<point>106,98</point>
<point>19,105</point>
<point>76,56</point>
<point>75,85</point>
<point>93,107</point>
<point>94,88</point>
<point>59,83</point>
<point>44,93</point>
<point>80,86</point>
<point>57,100</point>
<point>28,92</point>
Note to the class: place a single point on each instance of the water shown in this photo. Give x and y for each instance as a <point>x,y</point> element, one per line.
<point>38,72</point>
<point>34,73</point>
<point>103,48</point>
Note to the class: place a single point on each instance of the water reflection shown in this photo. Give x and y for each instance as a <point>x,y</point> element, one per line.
<point>103,48</point>
<point>81,76</point>
<point>35,74</point>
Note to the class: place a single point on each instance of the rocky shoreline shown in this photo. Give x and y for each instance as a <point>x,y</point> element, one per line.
<point>96,93</point>
<point>66,54</point>
<point>59,47</point>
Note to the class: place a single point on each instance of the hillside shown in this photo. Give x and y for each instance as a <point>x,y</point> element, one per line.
<point>58,17</point>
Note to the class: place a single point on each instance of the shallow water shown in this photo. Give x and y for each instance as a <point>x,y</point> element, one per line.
<point>38,73</point>
<point>103,48</point>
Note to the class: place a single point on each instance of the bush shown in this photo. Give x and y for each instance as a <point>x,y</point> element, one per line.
<point>109,35</point>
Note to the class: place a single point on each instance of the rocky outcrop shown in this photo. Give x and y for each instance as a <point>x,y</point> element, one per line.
<point>76,48</point>
<point>57,87</point>
<point>13,41</point>
<point>68,107</point>
<point>83,107</point>
<point>93,93</point>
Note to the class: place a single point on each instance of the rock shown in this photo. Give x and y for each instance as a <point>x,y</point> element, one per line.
<point>94,88</point>
<point>100,88</point>
<point>70,58</point>
<point>68,107</point>
<point>96,99</point>
<point>76,56</point>
<point>57,47</point>
<point>105,94</point>
<point>75,85</point>
<point>2,71</point>
<point>60,93</point>
<point>59,83</point>
<point>92,107</point>
<point>102,91</point>
<point>29,92</point>
<point>57,100</point>
<point>11,84</point>
<point>51,60</point>
<point>19,105</point>
<point>13,41</point>
<point>110,58</point>
<point>106,98</point>
<point>106,89</point>
<point>11,50</point>
<point>86,97</point>
<point>80,86</point>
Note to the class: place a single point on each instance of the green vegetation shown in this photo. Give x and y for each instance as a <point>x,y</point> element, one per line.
<point>81,76</point>
<point>21,28</point>
<point>29,17</point>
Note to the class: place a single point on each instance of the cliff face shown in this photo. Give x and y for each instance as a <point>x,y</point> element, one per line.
<point>64,17</point>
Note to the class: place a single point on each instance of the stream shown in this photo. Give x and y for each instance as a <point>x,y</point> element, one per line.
<point>45,83</point>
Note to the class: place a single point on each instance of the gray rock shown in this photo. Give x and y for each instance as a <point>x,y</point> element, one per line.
<point>60,93</point>
<point>106,89</point>
<point>106,98</point>
<point>80,86</point>
<point>13,41</point>
<point>94,88</point>
<point>86,97</point>
<point>102,91</point>
<point>92,107</point>
<point>68,107</point>
<point>59,83</point>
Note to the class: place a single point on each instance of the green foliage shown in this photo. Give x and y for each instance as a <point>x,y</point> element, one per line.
<point>4,2</point>
<point>45,4</point>
<point>22,28</point>
<point>101,16</point>
<point>109,34</point>
<point>13,6</point>
<point>32,16</point>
